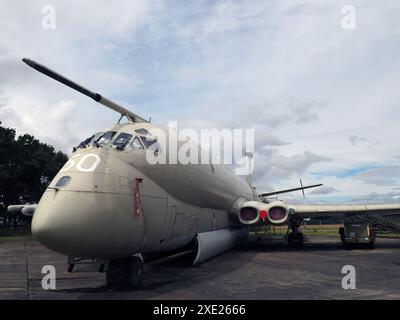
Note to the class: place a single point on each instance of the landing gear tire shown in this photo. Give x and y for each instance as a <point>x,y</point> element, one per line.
<point>70,267</point>
<point>296,240</point>
<point>371,245</point>
<point>101,268</point>
<point>124,273</point>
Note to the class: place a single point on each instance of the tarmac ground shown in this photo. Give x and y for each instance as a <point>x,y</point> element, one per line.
<point>265,269</point>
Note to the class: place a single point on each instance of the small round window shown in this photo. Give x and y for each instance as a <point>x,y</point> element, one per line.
<point>63,181</point>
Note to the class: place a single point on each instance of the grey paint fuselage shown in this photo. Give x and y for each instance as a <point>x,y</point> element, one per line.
<point>94,215</point>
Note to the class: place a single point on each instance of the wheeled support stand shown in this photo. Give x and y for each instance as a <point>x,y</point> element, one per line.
<point>124,273</point>
<point>295,238</point>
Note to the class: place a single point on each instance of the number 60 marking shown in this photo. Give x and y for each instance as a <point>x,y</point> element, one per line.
<point>79,165</point>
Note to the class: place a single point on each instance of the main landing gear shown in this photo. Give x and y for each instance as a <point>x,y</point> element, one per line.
<point>295,238</point>
<point>124,273</point>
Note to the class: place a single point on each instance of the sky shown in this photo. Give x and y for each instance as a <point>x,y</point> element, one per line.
<point>323,98</point>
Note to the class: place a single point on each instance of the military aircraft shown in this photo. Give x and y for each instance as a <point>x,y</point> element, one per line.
<point>108,202</point>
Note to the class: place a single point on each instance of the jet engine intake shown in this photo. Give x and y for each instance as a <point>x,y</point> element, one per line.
<point>278,212</point>
<point>258,213</point>
<point>249,212</point>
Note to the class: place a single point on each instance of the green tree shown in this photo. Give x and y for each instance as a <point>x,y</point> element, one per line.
<point>26,167</point>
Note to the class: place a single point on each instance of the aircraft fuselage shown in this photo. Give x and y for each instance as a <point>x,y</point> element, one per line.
<point>109,202</point>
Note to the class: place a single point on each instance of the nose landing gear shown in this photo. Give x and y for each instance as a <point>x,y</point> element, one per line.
<point>295,238</point>
<point>124,273</point>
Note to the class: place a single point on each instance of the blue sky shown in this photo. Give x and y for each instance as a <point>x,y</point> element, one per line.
<point>345,173</point>
<point>321,99</point>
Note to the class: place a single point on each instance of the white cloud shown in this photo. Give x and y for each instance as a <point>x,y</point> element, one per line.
<point>311,90</point>
<point>374,197</point>
<point>324,190</point>
<point>273,167</point>
<point>386,176</point>
<point>354,139</point>
<point>84,47</point>
<point>59,126</point>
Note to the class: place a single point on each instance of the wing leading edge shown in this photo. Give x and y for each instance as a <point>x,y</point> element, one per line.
<point>343,210</point>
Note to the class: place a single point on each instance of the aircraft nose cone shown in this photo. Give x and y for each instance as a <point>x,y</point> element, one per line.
<point>41,230</point>
<point>83,224</point>
<point>51,233</point>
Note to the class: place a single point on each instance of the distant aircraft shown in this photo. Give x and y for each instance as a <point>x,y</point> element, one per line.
<point>108,202</point>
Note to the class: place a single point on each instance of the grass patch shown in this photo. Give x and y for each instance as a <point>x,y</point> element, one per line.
<point>313,230</point>
<point>16,238</point>
<point>23,232</point>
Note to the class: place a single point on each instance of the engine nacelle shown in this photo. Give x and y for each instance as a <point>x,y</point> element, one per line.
<point>256,212</point>
<point>278,212</point>
<point>249,213</point>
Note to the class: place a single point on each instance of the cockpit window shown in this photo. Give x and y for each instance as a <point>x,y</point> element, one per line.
<point>136,144</point>
<point>147,141</point>
<point>122,141</point>
<point>105,138</point>
<point>151,144</point>
<point>88,142</point>
<point>85,142</point>
<point>143,131</point>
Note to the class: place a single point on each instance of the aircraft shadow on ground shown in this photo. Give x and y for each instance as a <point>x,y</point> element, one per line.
<point>159,276</point>
<point>265,245</point>
<point>179,272</point>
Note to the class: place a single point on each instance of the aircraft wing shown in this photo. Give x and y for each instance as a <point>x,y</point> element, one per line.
<point>318,211</point>
<point>25,209</point>
<point>279,212</point>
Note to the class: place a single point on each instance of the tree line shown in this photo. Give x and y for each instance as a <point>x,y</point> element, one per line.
<point>27,166</point>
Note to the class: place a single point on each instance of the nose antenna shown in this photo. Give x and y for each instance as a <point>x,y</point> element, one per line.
<point>132,117</point>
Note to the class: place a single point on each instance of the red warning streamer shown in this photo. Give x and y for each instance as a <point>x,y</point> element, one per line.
<point>137,197</point>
